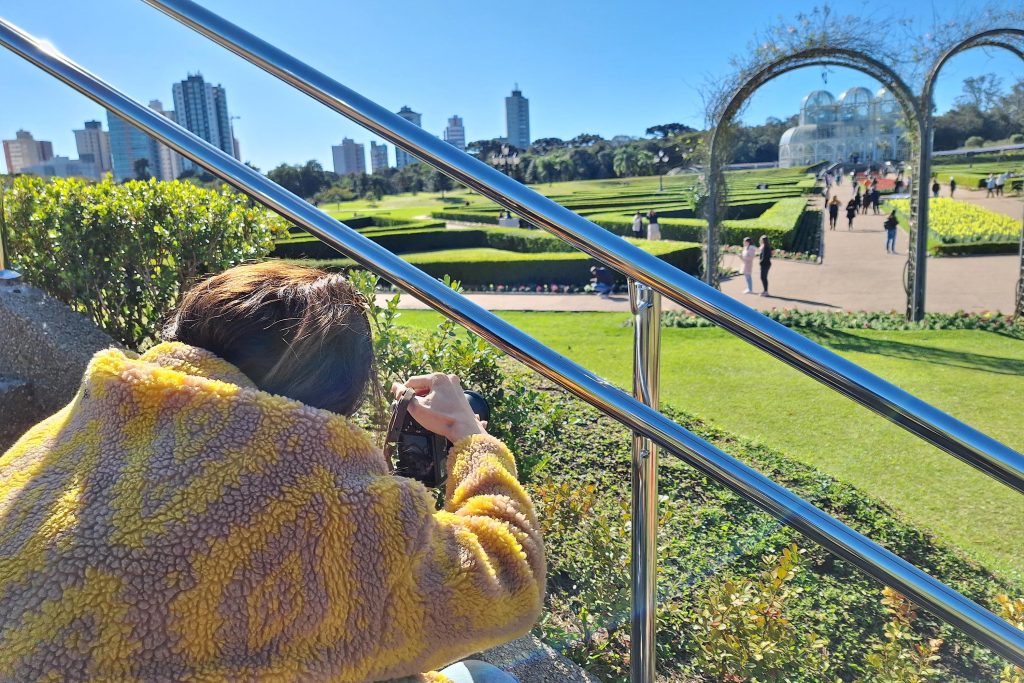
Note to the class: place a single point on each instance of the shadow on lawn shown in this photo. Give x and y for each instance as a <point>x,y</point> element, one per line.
<point>844,341</point>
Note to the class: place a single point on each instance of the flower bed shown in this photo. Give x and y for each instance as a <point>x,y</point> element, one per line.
<point>957,227</point>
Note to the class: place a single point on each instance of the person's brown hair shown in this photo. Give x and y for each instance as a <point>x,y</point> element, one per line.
<point>294,331</point>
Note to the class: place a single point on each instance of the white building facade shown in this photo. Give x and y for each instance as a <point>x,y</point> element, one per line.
<point>93,144</point>
<point>517,119</point>
<point>403,158</point>
<point>378,156</point>
<point>455,133</point>
<point>349,157</point>
<point>858,127</point>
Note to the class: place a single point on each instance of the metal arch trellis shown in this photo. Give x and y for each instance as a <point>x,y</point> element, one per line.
<point>731,101</point>
<point>1005,38</point>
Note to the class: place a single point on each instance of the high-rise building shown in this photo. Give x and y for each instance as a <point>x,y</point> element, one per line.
<point>203,109</point>
<point>129,145</point>
<point>349,157</point>
<point>517,119</point>
<point>403,158</point>
<point>169,161</point>
<point>93,145</point>
<point>455,134</point>
<point>24,150</point>
<point>378,157</point>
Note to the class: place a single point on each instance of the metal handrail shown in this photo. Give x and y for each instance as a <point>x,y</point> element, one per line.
<point>815,524</point>
<point>888,400</point>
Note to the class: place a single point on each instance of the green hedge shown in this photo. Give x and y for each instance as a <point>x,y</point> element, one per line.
<point>121,253</point>
<point>428,239</point>
<point>485,266</point>
<point>974,248</point>
<point>464,216</point>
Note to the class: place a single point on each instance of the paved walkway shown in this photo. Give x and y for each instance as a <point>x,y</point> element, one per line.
<point>857,274</point>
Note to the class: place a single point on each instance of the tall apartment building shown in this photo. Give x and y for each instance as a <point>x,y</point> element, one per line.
<point>128,145</point>
<point>455,133</point>
<point>378,157</point>
<point>403,158</point>
<point>93,144</point>
<point>349,157</point>
<point>24,150</point>
<point>203,109</point>
<point>168,161</point>
<point>517,119</point>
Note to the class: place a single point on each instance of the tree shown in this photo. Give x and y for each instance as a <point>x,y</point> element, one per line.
<point>141,166</point>
<point>585,140</point>
<point>545,145</point>
<point>665,130</point>
<point>981,92</point>
<point>485,149</point>
<point>439,182</point>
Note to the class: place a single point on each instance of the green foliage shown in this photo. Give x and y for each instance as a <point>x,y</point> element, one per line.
<point>822,621</point>
<point>485,266</point>
<point>122,253</point>
<point>521,415</point>
<point>901,656</point>
<point>868,320</point>
<point>742,630</point>
<point>974,141</point>
<point>1012,610</point>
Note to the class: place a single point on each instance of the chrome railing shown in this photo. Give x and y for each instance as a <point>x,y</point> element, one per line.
<point>902,408</point>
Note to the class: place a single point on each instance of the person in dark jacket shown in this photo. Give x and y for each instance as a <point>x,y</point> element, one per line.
<point>890,233</point>
<point>851,211</point>
<point>833,212</point>
<point>765,260</point>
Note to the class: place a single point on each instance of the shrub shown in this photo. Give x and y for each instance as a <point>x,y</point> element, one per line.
<point>121,253</point>
<point>486,266</point>
<point>901,657</point>
<point>974,141</point>
<point>1017,139</point>
<point>955,222</point>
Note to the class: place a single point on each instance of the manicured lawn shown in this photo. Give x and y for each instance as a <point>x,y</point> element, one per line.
<point>976,376</point>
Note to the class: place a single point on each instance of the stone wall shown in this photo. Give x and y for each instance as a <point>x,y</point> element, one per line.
<point>44,349</point>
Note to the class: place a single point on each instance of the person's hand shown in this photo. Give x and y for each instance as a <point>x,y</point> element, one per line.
<point>440,406</point>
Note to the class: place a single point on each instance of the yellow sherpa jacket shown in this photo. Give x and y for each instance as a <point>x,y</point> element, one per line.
<point>175,523</point>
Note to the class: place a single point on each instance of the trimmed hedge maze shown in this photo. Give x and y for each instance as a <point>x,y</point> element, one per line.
<point>765,202</point>
<point>479,257</point>
<point>480,254</point>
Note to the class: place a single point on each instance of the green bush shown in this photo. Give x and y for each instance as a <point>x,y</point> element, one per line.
<point>974,248</point>
<point>121,253</point>
<point>489,216</point>
<point>487,266</point>
<point>974,141</point>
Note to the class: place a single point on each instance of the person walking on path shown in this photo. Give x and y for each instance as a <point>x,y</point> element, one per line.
<point>747,266</point>
<point>833,212</point>
<point>890,233</point>
<point>765,256</point>
<point>638,226</point>
<point>952,186</point>
<point>1000,183</point>
<point>851,211</point>
<point>856,200</point>
<point>935,188</point>
<point>653,229</point>
<point>990,185</point>
<point>875,198</point>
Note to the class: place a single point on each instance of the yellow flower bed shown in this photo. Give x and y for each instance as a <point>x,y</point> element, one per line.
<point>955,222</point>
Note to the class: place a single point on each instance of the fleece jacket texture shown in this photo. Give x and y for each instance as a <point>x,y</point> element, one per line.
<point>175,523</point>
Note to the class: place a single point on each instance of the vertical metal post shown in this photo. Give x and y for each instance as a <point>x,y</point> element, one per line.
<point>6,275</point>
<point>646,305</point>
<point>1018,312</point>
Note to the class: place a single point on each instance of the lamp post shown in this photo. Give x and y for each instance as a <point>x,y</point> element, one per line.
<point>661,158</point>
<point>507,160</point>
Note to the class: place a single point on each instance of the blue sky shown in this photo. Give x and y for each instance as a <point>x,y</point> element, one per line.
<point>597,67</point>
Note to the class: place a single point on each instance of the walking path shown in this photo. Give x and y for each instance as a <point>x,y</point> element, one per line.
<point>857,274</point>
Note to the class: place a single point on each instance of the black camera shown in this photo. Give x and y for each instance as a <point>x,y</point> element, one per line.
<point>420,454</point>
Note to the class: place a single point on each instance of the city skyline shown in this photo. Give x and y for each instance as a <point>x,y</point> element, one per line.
<point>618,93</point>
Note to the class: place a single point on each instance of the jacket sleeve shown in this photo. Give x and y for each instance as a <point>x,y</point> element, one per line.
<point>478,564</point>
